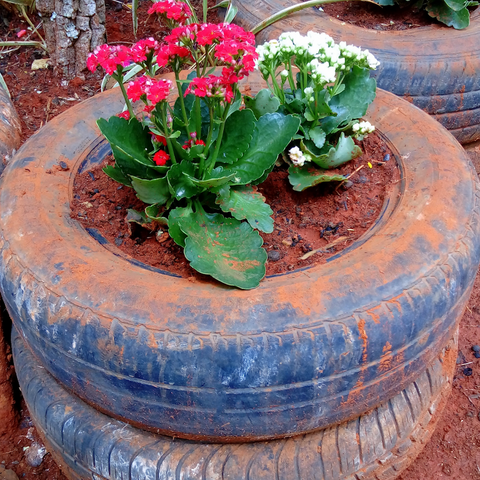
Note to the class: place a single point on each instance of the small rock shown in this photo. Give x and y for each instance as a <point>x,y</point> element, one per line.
<point>348,184</point>
<point>162,236</point>
<point>34,454</point>
<point>386,158</point>
<point>447,469</point>
<point>467,371</point>
<point>362,179</point>
<point>40,64</point>
<point>7,474</point>
<point>477,354</point>
<point>470,414</point>
<point>63,165</point>
<point>476,348</point>
<point>274,256</point>
<point>288,242</point>
<point>118,242</point>
<point>291,267</point>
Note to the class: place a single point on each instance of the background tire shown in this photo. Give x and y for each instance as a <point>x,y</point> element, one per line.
<point>303,351</point>
<point>379,444</point>
<point>435,67</point>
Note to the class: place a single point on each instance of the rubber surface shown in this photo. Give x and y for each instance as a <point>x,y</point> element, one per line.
<point>10,128</point>
<point>199,360</point>
<point>435,67</point>
<point>375,446</point>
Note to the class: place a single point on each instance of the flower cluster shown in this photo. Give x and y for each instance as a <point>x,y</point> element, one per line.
<point>172,10</point>
<point>146,88</point>
<point>298,157</point>
<point>211,87</point>
<point>315,52</point>
<point>362,128</point>
<point>109,57</point>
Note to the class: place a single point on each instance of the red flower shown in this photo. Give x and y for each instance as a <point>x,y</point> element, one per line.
<point>136,89</point>
<point>125,115</point>
<point>212,86</point>
<point>159,139</point>
<point>159,91</point>
<point>209,33</point>
<point>109,57</point>
<point>178,11</point>
<point>160,158</point>
<point>200,142</point>
<point>141,49</point>
<point>169,53</point>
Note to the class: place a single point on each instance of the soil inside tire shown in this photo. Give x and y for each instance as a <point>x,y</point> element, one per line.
<point>375,17</point>
<point>328,217</point>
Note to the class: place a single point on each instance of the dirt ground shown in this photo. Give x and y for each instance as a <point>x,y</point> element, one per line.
<point>453,451</point>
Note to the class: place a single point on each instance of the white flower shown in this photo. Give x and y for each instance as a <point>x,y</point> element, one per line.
<point>362,128</point>
<point>322,73</point>
<point>297,157</point>
<point>284,74</point>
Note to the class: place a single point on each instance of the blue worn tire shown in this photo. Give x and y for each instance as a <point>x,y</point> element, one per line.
<point>91,446</point>
<point>303,351</point>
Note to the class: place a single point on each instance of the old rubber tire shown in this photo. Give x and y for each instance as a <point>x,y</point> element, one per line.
<point>10,129</point>
<point>303,351</point>
<point>435,67</point>
<point>376,445</point>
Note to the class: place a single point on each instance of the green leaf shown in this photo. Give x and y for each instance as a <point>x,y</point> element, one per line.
<point>224,248</point>
<point>264,102</point>
<point>272,134</point>
<point>151,191</point>
<point>385,2</point>
<point>455,4</point>
<point>442,12</point>
<point>153,212</point>
<point>237,136</point>
<point>128,136</point>
<point>308,176</point>
<point>181,185</point>
<point>344,151</point>
<point>117,175</point>
<point>174,230</point>
<point>353,102</point>
<point>216,179</point>
<point>318,136</point>
<point>135,216</point>
<point>247,203</point>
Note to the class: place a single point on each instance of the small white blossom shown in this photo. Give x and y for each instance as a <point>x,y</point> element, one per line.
<point>284,74</point>
<point>362,128</point>
<point>297,157</point>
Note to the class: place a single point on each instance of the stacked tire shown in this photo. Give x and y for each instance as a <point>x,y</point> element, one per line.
<point>337,372</point>
<point>434,67</point>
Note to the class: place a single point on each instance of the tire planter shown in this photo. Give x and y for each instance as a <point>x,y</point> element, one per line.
<point>378,444</point>
<point>435,67</point>
<point>200,360</point>
<point>10,129</point>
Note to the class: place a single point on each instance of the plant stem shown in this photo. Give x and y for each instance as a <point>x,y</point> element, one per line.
<point>205,9</point>
<point>182,102</point>
<point>294,8</point>
<point>119,79</point>
<point>290,75</point>
<point>26,17</point>
<point>171,151</point>
<point>219,140</point>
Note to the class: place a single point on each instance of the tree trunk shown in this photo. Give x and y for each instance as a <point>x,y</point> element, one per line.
<point>73,28</point>
<point>8,414</point>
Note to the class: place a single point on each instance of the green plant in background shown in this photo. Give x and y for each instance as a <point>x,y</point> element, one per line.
<point>328,87</point>
<point>453,13</point>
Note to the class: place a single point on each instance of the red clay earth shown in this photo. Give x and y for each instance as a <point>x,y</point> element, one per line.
<point>375,17</point>
<point>328,217</point>
<point>453,452</point>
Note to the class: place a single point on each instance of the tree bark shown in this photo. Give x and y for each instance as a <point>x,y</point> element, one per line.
<point>73,28</point>
<point>8,414</point>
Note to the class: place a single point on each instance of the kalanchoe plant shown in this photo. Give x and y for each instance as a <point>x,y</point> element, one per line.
<point>328,87</point>
<point>196,162</point>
